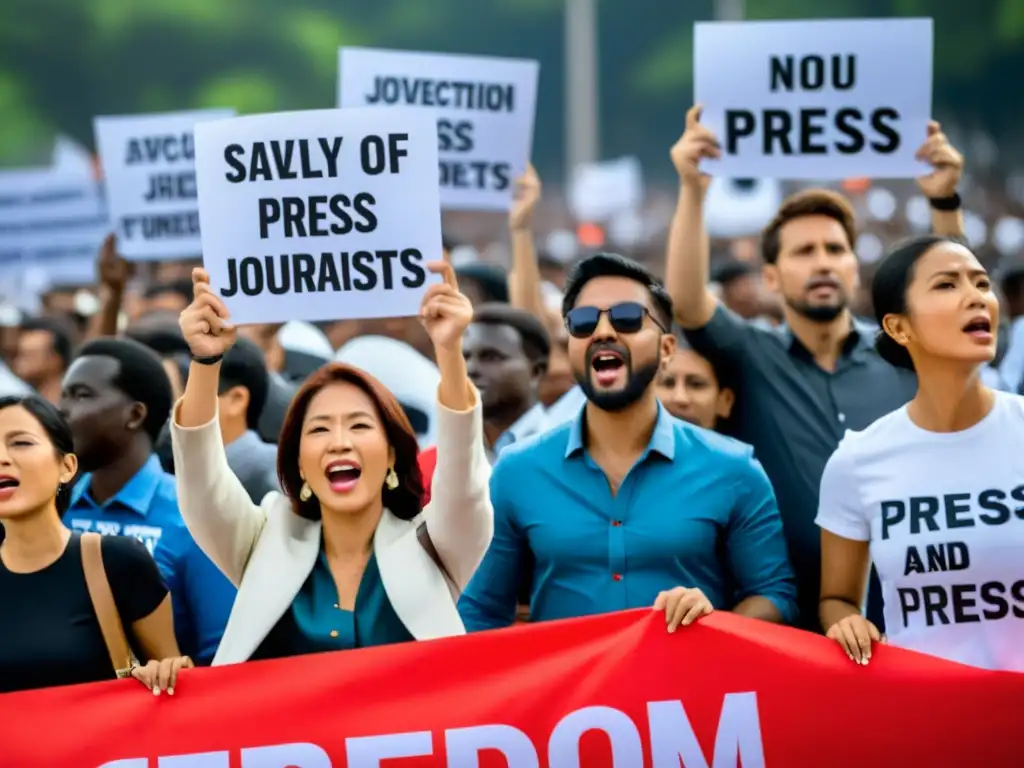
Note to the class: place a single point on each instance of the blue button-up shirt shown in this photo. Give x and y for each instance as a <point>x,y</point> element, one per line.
<point>146,507</point>
<point>696,510</point>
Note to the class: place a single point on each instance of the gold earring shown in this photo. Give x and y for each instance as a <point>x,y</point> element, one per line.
<point>305,492</point>
<point>391,479</point>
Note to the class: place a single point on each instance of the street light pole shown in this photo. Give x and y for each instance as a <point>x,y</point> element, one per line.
<point>582,111</point>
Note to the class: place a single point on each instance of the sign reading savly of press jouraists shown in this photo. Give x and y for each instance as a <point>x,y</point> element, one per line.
<point>323,215</point>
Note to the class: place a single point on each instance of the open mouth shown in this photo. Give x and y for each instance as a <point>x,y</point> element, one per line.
<point>343,476</point>
<point>7,485</point>
<point>979,328</point>
<point>607,365</point>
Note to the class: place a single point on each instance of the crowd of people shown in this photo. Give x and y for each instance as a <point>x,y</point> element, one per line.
<point>537,444</point>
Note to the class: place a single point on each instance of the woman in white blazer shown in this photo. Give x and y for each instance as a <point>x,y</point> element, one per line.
<point>345,557</point>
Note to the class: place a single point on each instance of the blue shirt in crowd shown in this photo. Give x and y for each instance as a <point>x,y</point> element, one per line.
<point>696,510</point>
<point>147,508</point>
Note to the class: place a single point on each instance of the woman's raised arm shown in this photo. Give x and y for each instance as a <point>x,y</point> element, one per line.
<point>214,503</point>
<point>459,518</point>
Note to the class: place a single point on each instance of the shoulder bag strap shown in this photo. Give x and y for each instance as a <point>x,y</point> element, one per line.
<point>428,544</point>
<point>103,604</point>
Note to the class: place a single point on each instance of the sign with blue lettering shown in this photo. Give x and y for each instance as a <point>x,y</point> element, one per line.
<point>149,166</point>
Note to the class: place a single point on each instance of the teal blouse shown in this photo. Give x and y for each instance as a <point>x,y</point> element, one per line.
<point>314,623</point>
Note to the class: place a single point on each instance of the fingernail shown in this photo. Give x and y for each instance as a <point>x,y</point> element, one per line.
<point>170,691</point>
<point>156,691</point>
<point>671,629</point>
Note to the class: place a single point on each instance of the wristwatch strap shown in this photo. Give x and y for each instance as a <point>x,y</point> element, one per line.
<point>210,360</point>
<point>951,203</point>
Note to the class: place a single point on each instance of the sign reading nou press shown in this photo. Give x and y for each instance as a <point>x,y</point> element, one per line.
<point>320,215</point>
<point>484,108</point>
<point>815,99</point>
<point>149,166</point>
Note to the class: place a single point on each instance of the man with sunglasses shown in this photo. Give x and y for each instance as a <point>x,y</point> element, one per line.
<point>626,506</point>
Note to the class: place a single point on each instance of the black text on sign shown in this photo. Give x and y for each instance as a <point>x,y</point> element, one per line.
<point>804,130</point>
<point>323,215</point>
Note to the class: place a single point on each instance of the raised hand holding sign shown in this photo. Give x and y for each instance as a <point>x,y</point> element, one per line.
<point>696,143</point>
<point>445,312</point>
<point>946,161</point>
<point>205,323</point>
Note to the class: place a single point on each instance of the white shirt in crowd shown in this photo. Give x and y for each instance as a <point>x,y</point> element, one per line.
<point>408,375</point>
<point>944,513</point>
<point>10,384</point>
<point>567,407</point>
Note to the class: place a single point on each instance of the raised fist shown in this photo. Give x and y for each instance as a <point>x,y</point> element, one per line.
<point>524,200</point>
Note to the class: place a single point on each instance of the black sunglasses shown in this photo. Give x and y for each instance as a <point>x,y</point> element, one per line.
<point>627,317</point>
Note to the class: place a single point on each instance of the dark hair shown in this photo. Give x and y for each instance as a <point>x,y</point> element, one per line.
<point>405,501</point>
<point>56,429</point>
<point>893,276</point>
<point>141,377</point>
<point>243,366</point>
<point>164,339</point>
<point>809,202</point>
<point>492,280</point>
<point>545,260</point>
<point>730,271</point>
<point>614,265</point>
<point>182,288</point>
<point>725,376</point>
<point>534,336</point>
<point>61,331</point>
<point>1011,281</point>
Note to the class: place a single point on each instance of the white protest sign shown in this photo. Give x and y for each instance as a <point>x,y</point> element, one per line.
<point>484,108</point>
<point>149,167</point>
<point>52,221</point>
<point>815,99</point>
<point>29,196</point>
<point>321,215</point>
<point>602,190</point>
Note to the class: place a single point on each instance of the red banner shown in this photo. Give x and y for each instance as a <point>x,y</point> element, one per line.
<point>614,690</point>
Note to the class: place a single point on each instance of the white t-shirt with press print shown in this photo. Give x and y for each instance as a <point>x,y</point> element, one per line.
<point>944,513</point>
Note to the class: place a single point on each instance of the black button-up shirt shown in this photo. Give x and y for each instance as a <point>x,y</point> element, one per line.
<point>794,413</point>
